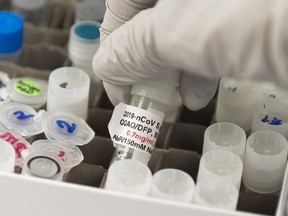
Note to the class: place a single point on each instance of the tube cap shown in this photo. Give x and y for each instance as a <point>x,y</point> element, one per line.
<point>216,193</point>
<point>226,136</point>
<point>129,176</point>
<point>42,165</point>
<point>20,118</point>
<point>236,102</point>
<point>172,184</point>
<point>221,164</point>
<point>84,41</point>
<point>265,161</point>
<point>161,89</point>
<point>272,116</point>
<point>68,90</point>
<point>67,128</point>
<point>29,91</point>
<point>86,32</point>
<point>11,32</point>
<point>71,156</point>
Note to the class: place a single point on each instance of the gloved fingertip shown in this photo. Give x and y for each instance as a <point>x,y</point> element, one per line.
<point>196,92</point>
<point>117,93</point>
<point>192,102</point>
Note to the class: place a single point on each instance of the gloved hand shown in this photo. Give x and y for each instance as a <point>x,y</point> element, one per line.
<point>120,11</point>
<point>206,39</point>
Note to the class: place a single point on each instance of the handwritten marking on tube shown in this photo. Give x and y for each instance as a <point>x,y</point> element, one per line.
<point>21,115</point>
<point>70,127</point>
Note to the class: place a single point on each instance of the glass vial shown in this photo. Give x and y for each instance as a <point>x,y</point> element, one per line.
<point>155,97</point>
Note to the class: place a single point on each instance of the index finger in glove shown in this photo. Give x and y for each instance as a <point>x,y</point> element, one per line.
<point>118,12</point>
<point>196,92</point>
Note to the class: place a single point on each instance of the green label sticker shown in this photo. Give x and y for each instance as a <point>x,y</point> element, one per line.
<point>28,87</point>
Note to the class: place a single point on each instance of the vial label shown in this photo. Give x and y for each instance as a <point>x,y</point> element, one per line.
<point>135,127</point>
<point>28,87</point>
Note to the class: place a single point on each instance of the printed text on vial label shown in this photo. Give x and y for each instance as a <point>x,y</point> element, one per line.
<point>135,127</point>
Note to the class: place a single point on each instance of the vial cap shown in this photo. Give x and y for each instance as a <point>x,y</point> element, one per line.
<point>265,161</point>
<point>236,101</point>
<point>20,118</point>
<point>11,32</point>
<point>172,184</point>
<point>86,32</point>
<point>70,156</point>
<point>160,89</point>
<point>28,91</point>
<point>68,90</point>
<point>216,193</point>
<point>221,164</point>
<point>129,176</point>
<point>18,142</point>
<point>67,128</point>
<point>273,115</point>
<point>46,166</point>
<point>226,136</point>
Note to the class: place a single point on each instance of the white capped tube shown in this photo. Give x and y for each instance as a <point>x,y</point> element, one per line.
<point>236,101</point>
<point>270,91</point>
<point>172,184</point>
<point>225,136</point>
<point>129,176</point>
<point>265,161</point>
<point>84,41</point>
<point>272,115</point>
<point>68,90</point>
<point>216,193</point>
<point>221,164</point>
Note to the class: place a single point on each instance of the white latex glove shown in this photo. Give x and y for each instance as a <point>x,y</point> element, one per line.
<point>120,11</point>
<point>207,39</point>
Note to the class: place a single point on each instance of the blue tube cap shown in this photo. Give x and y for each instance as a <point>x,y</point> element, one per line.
<point>11,32</point>
<point>87,31</point>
